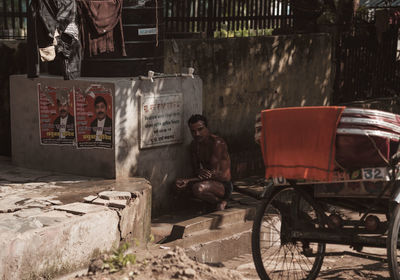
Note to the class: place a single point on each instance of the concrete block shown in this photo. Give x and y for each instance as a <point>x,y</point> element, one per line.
<point>50,250</point>
<point>11,204</point>
<point>29,224</point>
<point>100,201</point>
<point>118,203</point>
<point>52,217</point>
<point>90,198</point>
<point>25,213</point>
<point>55,202</point>
<point>115,195</point>
<point>136,216</point>
<point>80,208</point>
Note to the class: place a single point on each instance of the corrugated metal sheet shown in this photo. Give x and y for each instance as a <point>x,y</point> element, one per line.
<point>378,3</point>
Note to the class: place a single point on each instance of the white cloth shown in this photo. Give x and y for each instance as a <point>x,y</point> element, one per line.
<point>99,129</point>
<point>63,127</point>
<point>49,53</point>
<point>72,29</point>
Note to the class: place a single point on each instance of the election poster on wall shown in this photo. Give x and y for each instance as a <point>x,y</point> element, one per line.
<point>94,114</point>
<point>161,120</point>
<point>56,115</point>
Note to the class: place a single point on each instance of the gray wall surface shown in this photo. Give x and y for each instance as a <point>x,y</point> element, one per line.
<point>160,165</point>
<point>242,76</point>
<point>12,61</point>
<point>26,148</point>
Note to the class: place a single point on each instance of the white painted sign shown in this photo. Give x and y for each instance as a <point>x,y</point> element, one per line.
<point>161,120</point>
<point>147,31</point>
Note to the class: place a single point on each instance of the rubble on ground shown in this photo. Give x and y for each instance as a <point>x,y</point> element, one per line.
<point>171,264</point>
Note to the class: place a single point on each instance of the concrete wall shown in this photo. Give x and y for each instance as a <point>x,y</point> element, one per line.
<point>160,165</point>
<point>242,76</point>
<point>12,61</point>
<point>26,148</point>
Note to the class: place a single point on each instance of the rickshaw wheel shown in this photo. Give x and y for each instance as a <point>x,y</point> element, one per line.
<point>275,255</point>
<point>393,251</point>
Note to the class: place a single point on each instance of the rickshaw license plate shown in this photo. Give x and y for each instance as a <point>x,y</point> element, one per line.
<point>375,173</point>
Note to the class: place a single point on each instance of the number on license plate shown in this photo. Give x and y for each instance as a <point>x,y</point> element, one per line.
<point>375,173</point>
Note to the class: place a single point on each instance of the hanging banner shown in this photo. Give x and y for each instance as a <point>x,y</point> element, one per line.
<point>161,120</point>
<point>56,115</point>
<point>94,113</point>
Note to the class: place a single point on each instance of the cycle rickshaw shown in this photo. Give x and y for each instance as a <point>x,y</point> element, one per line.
<point>350,197</point>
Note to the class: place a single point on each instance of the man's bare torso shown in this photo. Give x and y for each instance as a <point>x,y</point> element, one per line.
<point>211,155</point>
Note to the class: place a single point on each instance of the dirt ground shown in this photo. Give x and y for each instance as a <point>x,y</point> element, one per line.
<point>340,263</point>
<point>161,264</point>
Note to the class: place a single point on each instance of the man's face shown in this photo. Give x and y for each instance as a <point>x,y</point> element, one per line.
<point>199,131</point>
<point>100,110</point>
<point>63,109</point>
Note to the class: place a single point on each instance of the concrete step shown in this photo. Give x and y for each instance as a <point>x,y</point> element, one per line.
<point>241,209</point>
<point>217,245</point>
<point>215,220</point>
<point>212,237</point>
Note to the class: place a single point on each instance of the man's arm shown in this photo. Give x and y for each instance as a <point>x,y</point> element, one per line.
<point>183,182</point>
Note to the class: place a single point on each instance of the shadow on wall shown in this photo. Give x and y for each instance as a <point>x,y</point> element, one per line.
<point>12,61</point>
<point>242,76</point>
<point>160,165</point>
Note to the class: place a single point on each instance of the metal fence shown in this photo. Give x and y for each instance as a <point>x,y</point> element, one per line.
<point>225,18</point>
<point>13,19</point>
<point>185,18</point>
<point>367,67</point>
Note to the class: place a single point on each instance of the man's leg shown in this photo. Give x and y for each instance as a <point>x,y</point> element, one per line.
<point>210,191</point>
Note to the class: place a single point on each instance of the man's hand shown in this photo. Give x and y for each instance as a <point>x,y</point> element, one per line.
<point>181,183</point>
<point>205,174</point>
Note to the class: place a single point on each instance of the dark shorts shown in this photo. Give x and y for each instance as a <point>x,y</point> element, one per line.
<point>228,189</point>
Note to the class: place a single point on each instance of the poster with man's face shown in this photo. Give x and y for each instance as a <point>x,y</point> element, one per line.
<point>94,114</point>
<point>56,115</point>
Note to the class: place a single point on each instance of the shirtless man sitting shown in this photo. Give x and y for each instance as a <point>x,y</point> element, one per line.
<point>212,165</point>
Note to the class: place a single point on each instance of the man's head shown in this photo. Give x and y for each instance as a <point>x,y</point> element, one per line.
<point>198,127</point>
<point>63,108</point>
<point>100,107</point>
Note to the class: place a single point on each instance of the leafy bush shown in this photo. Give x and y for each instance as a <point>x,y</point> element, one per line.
<point>119,259</point>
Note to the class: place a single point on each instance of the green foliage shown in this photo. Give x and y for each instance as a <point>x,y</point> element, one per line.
<point>151,238</point>
<point>362,12</point>
<point>242,33</point>
<point>119,259</point>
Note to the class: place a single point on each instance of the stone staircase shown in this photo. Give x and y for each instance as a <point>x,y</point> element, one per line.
<point>213,237</point>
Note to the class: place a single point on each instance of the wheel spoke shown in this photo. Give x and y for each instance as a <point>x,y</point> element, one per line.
<point>302,257</point>
<point>275,254</point>
<point>278,256</point>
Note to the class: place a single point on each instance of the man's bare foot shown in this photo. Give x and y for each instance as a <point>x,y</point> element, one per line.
<point>222,205</point>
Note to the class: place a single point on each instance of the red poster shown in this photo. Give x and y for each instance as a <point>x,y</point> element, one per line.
<point>94,113</point>
<point>56,115</point>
